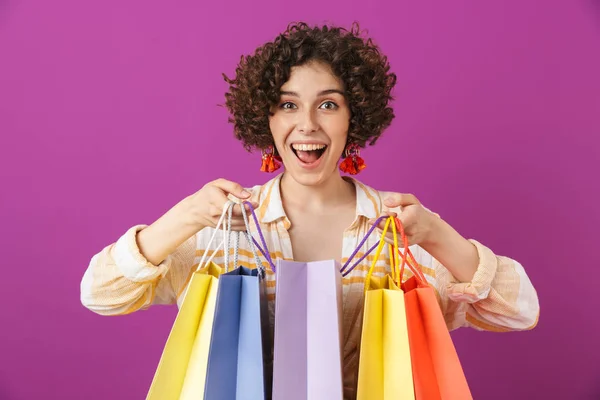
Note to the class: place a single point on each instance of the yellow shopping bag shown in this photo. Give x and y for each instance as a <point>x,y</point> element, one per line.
<point>181,371</point>
<point>385,370</point>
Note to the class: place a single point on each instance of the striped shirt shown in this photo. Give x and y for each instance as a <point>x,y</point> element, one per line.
<point>119,280</point>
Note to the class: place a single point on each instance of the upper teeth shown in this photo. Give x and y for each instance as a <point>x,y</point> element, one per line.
<point>308,147</point>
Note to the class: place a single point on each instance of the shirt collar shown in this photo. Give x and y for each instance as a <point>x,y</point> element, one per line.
<point>270,207</point>
<point>368,201</point>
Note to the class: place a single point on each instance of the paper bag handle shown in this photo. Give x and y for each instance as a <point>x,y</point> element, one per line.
<point>408,258</point>
<point>360,245</point>
<point>226,207</point>
<point>236,244</point>
<point>380,247</point>
<point>264,249</point>
<point>252,242</point>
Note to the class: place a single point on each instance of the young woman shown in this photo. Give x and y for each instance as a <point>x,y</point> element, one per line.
<point>311,97</point>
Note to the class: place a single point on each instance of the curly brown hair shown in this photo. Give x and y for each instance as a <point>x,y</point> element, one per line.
<point>357,61</point>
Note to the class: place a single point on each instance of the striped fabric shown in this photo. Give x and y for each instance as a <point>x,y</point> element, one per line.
<point>499,298</point>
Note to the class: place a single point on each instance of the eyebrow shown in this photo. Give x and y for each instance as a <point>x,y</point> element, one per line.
<point>321,93</point>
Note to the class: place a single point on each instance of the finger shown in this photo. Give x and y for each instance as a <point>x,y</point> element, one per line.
<point>232,188</point>
<point>217,205</point>
<point>237,223</point>
<point>390,240</point>
<point>217,199</point>
<point>237,209</point>
<point>238,227</point>
<point>389,237</point>
<point>253,206</point>
<point>408,219</point>
<point>400,200</point>
<point>235,228</point>
<point>405,228</point>
<point>402,223</point>
<point>383,220</point>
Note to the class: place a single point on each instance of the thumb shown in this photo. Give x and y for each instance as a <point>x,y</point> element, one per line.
<point>383,220</point>
<point>233,188</point>
<point>400,200</point>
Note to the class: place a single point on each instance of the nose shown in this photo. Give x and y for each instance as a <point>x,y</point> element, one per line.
<point>307,123</point>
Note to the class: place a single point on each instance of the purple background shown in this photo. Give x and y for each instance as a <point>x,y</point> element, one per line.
<point>109,116</point>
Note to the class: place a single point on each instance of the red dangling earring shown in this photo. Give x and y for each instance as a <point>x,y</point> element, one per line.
<point>271,162</point>
<point>352,163</point>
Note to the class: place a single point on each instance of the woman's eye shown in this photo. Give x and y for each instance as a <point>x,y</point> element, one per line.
<point>329,105</point>
<point>287,105</point>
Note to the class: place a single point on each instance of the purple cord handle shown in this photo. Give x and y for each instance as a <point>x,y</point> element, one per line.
<point>264,251</point>
<point>267,255</point>
<point>360,245</point>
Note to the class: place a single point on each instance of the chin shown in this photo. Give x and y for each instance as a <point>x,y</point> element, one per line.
<point>309,178</point>
<point>312,176</point>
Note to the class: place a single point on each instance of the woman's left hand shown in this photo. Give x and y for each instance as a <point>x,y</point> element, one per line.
<point>419,223</point>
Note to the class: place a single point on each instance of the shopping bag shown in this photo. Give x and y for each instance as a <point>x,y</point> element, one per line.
<point>385,370</point>
<point>308,331</point>
<point>437,371</point>
<point>238,361</point>
<point>186,349</point>
<point>181,370</point>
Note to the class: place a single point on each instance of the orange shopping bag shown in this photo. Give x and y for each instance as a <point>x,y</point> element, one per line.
<point>437,372</point>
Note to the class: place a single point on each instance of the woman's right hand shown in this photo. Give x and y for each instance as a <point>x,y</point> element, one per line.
<point>205,207</point>
<point>201,210</point>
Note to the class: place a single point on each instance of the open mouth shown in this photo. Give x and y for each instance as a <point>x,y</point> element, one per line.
<point>309,153</point>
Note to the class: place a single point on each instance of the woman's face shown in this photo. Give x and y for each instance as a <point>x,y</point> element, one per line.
<point>310,123</point>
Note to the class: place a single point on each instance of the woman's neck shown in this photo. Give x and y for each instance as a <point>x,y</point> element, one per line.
<point>332,193</point>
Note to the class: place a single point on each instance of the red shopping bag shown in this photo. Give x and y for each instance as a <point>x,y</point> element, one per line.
<point>437,371</point>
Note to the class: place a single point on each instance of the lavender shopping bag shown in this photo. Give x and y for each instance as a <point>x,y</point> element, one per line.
<point>308,331</point>
<point>308,328</point>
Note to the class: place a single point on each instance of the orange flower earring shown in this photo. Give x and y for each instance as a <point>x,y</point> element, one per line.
<point>352,163</point>
<point>271,162</point>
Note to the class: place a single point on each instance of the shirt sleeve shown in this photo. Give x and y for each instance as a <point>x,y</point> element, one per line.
<point>499,298</point>
<point>119,280</point>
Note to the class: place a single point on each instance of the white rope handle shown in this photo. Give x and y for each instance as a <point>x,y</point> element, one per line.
<point>236,250</point>
<point>259,266</point>
<point>236,242</point>
<point>227,241</point>
<point>227,237</point>
<point>226,208</point>
<point>215,252</point>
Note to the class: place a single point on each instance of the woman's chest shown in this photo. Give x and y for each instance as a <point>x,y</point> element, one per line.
<point>319,237</point>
